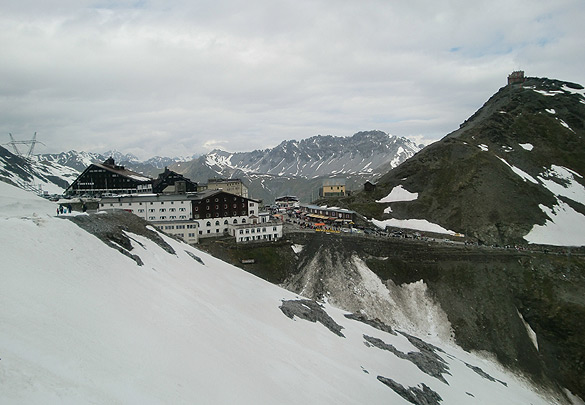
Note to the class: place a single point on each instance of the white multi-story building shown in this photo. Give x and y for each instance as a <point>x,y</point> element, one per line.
<point>171,213</point>
<point>189,216</point>
<point>257,232</point>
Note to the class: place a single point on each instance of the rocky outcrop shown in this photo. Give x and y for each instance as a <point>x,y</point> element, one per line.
<point>516,161</point>
<point>486,299</point>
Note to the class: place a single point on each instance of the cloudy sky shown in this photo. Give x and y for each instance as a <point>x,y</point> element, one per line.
<point>181,77</point>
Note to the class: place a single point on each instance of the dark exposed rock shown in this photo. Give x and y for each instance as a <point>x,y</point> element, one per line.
<point>414,395</point>
<point>462,181</point>
<point>195,257</point>
<point>112,228</point>
<point>426,360</point>
<point>310,311</point>
<point>375,323</point>
<point>485,375</point>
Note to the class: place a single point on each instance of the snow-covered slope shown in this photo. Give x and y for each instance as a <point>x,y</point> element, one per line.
<point>80,160</point>
<point>35,173</point>
<point>82,323</point>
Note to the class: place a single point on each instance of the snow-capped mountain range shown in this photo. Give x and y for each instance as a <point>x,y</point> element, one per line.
<point>84,321</point>
<point>80,160</point>
<point>298,167</point>
<point>293,167</point>
<point>35,174</point>
<point>365,153</point>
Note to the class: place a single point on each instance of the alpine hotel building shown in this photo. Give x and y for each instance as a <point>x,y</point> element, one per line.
<point>172,203</point>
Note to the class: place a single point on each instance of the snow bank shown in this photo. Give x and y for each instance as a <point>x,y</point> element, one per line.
<point>399,193</point>
<point>525,176</point>
<point>564,228</point>
<point>415,224</point>
<point>569,188</point>
<point>297,248</point>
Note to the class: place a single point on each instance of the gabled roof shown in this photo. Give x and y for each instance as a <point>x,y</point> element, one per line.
<point>210,193</point>
<point>122,171</point>
<point>164,177</point>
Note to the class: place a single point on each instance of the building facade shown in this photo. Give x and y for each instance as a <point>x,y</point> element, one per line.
<point>107,177</point>
<point>257,232</point>
<point>170,213</point>
<point>331,215</point>
<point>516,77</point>
<point>171,182</point>
<point>232,186</point>
<point>208,214</point>
<point>286,202</point>
<point>332,188</point>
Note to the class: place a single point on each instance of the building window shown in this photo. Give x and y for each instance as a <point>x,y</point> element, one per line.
<point>208,223</point>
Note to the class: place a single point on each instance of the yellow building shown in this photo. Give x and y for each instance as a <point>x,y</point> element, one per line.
<point>333,188</point>
<point>232,186</point>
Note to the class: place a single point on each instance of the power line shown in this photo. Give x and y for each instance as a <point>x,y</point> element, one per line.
<point>31,144</point>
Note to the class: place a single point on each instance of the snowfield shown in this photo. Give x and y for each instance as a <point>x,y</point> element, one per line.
<point>414,224</point>
<point>398,193</point>
<point>82,323</point>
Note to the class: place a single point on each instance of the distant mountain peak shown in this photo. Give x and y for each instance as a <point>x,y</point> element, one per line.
<point>512,173</point>
<point>363,156</point>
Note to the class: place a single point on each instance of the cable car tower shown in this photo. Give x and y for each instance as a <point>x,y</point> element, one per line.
<point>31,148</point>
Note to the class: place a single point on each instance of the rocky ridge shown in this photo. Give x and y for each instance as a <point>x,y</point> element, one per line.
<point>516,164</point>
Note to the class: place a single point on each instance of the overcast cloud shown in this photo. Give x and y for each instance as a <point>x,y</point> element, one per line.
<point>181,77</point>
